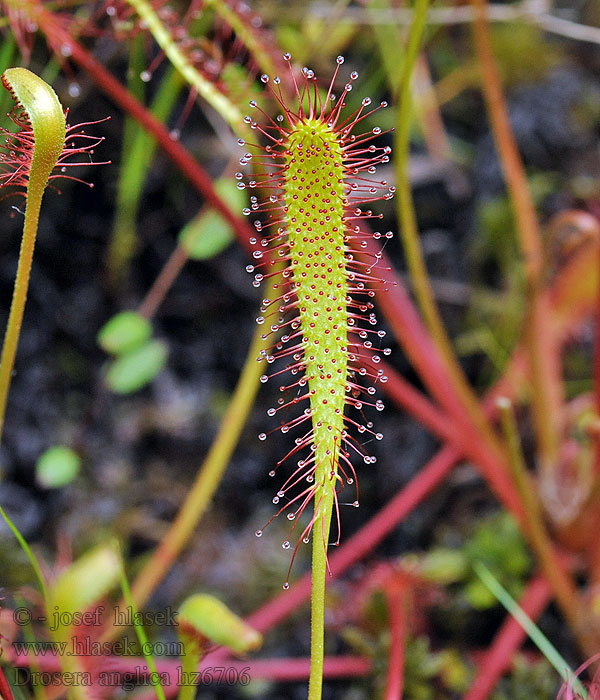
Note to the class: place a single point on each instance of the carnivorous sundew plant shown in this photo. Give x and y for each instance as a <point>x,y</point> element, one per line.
<point>313,162</point>
<point>28,157</point>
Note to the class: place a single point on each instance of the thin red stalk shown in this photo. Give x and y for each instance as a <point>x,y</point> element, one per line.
<point>279,669</point>
<point>5,691</point>
<point>163,282</point>
<point>509,638</point>
<point>544,358</point>
<point>396,596</point>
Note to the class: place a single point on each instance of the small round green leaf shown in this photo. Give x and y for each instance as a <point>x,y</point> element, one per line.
<point>124,332</point>
<point>133,370</point>
<point>208,234</point>
<point>57,467</point>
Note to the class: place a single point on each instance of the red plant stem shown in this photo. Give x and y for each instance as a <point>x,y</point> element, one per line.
<point>5,691</point>
<point>163,282</point>
<point>279,669</point>
<point>509,638</point>
<point>397,598</point>
<point>544,358</point>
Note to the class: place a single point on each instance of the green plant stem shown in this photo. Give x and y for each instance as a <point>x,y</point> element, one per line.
<point>189,666</point>
<point>317,600</point>
<point>535,633</point>
<point>210,474</point>
<point>17,306</point>
<point>562,585</point>
<point>141,635</point>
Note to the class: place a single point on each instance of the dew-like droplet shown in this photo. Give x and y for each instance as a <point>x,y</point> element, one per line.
<point>145,76</point>
<point>258,533</point>
<point>262,436</point>
<point>379,436</point>
<point>356,504</point>
<point>286,544</point>
<point>271,412</point>
<point>264,78</point>
<point>74,90</point>
<point>340,60</point>
<point>264,378</point>
<point>286,586</point>
<point>291,516</point>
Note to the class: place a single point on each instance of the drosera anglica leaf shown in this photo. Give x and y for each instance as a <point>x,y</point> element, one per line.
<point>28,157</point>
<point>314,160</point>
